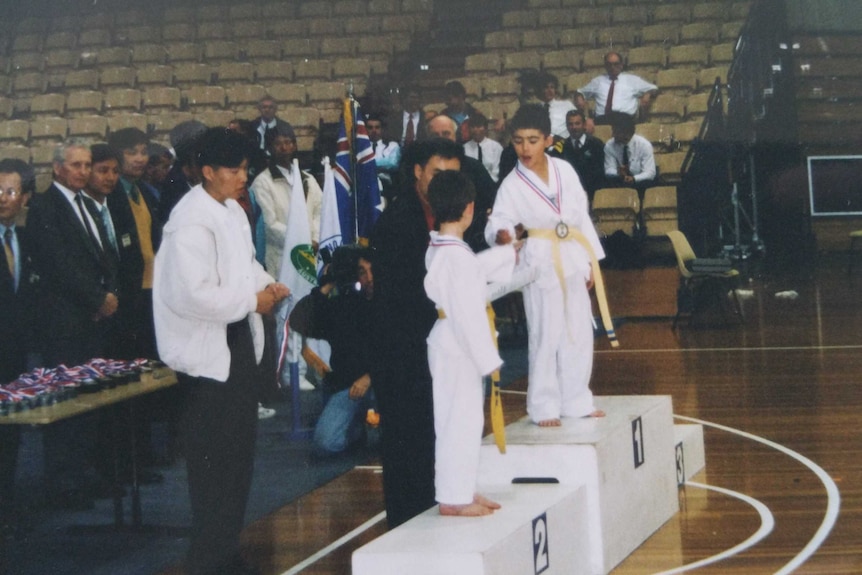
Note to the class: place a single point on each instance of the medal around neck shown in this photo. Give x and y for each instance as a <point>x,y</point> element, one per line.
<point>562,230</point>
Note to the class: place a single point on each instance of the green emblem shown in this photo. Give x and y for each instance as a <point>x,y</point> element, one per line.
<point>304,261</point>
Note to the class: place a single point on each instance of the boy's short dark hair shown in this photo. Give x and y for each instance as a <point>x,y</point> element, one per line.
<point>449,194</point>
<point>222,148</point>
<point>575,112</point>
<point>455,88</point>
<point>531,117</point>
<point>478,120</point>
<point>24,171</point>
<point>127,138</point>
<point>104,152</point>
<point>621,122</point>
<point>418,153</point>
<point>157,151</point>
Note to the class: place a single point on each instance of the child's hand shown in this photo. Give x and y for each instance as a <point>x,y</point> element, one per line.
<point>518,245</point>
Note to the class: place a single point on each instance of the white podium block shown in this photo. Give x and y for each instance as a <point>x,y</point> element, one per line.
<point>689,450</point>
<point>626,460</point>
<point>540,529</point>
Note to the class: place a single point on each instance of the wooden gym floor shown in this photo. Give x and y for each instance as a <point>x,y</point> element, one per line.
<point>780,398</point>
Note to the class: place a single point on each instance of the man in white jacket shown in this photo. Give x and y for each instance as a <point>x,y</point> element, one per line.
<point>208,294</point>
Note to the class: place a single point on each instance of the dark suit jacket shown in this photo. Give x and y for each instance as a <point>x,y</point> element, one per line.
<point>395,126</point>
<point>588,162</point>
<point>16,309</point>
<point>130,272</point>
<point>74,277</point>
<point>280,125</point>
<point>486,193</point>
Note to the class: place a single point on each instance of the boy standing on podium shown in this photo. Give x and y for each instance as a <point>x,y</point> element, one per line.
<point>545,197</point>
<point>461,346</point>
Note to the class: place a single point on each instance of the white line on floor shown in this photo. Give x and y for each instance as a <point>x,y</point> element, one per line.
<point>336,544</point>
<point>726,349</point>
<point>833,503</point>
<point>767,522</point>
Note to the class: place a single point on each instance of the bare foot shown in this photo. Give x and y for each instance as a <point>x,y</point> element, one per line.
<point>555,422</point>
<point>469,510</point>
<point>484,501</point>
<point>596,413</point>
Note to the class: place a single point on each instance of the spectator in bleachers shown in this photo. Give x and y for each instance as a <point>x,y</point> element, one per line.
<point>184,174</point>
<point>138,229</point>
<point>407,124</point>
<point>616,91</point>
<point>482,148</point>
<point>585,152</point>
<point>547,90</point>
<point>17,182</point>
<point>158,166</point>
<point>629,158</point>
<point>387,153</point>
<point>458,109</point>
<point>486,189</point>
<point>268,121</point>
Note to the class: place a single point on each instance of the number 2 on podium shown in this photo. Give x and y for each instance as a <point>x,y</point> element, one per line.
<point>540,543</point>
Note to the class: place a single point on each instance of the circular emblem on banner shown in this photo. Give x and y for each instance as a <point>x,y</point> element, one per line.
<point>304,262</point>
<point>562,230</point>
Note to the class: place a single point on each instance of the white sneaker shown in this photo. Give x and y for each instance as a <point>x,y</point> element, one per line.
<point>264,412</point>
<point>305,385</point>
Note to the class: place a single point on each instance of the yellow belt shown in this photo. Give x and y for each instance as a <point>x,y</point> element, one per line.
<point>601,296</point>
<point>498,422</point>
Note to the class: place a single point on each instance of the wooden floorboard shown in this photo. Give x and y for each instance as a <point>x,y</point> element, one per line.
<point>789,374</point>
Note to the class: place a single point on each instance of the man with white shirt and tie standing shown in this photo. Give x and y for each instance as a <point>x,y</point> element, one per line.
<point>616,91</point>
<point>408,124</point>
<point>482,148</point>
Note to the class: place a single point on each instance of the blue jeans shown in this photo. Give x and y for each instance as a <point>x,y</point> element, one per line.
<point>342,421</point>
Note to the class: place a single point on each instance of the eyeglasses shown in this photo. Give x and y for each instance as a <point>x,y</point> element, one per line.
<point>11,193</point>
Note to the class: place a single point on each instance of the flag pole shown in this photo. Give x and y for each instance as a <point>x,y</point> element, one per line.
<point>353,146</point>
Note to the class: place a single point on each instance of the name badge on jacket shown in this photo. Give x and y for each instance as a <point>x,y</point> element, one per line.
<point>126,240</point>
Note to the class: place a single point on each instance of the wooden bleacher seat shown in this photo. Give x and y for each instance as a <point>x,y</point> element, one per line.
<point>712,12</point>
<point>88,127</point>
<point>670,166</point>
<point>15,132</point>
<point>525,60</point>
<point>698,32</point>
<point>577,38</point>
<point>167,98</point>
<point>520,19</point>
<point>154,75</point>
<point>688,55</point>
<point>501,88</point>
<point>178,14</point>
<point>313,69</point>
<point>665,34</point>
<point>117,76</point>
<point>245,97</point>
<point>220,51</point>
<point>503,40</point>
<point>722,53</point>
<point>273,71</point>
<point>638,15</point>
<point>300,48</point>
<point>646,58</point>
<point>138,34</point>
<point>182,52</point>
<point>113,56</point>
<point>483,62</point>
<point>677,80</point>
<point>204,97</point>
<point>327,27</point>
<point>16,152</point>
<point>188,74</point>
<point>592,16</point>
<point>617,38</point>
<point>315,10</point>
<point>48,129</point>
<point>149,54</point>
<point>122,101</point>
<point>244,11</point>
<point>27,62</point>
<point>667,108</point>
<point>540,40</point>
<point>362,25</point>
<point>351,68</point>
<point>556,18</point>
<point>210,12</point>
<point>27,43</point>
<point>94,37</point>
<point>48,105</point>
<point>84,103</point>
<point>230,73</point>
<point>675,12</point>
<point>213,30</point>
<point>384,6</point>
<point>561,62</point>
<point>350,8</point>
<point>162,123</point>
<point>215,118</point>
<point>289,94</point>
<point>178,32</point>
<point>339,46</point>
<point>127,120</point>
<point>707,76</point>
<point>659,212</point>
<point>616,209</point>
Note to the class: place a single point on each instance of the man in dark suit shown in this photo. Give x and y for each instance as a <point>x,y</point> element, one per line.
<point>268,121</point>
<point>584,152</point>
<point>138,228</point>
<point>486,190</point>
<point>76,300</point>
<point>408,123</point>
<point>16,286</point>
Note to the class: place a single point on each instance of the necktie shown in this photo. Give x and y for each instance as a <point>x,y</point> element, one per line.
<point>93,237</point>
<point>626,155</point>
<point>135,193</point>
<point>609,106</point>
<point>577,144</point>
<point>109,227</point>
<point>479,148</point>
<point>10,254</point>
<point>374,148</point>
<point>410,135</point>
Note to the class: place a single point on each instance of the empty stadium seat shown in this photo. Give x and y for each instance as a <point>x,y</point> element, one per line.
<point>339,46</point>
<point>682,80</point>
<point>213,31</point>
<point>324,27</point>
<point>51,129</point>
<point>84,102</point>
<point>709,12</point>
<point>722,53</point>
<point>503,40</point>
<point>149,54</point>
<point>14,132</point>
<point>526,60</point>
<point>561,62</point>
<point>48,105</point>
<point>293,95</point>
<point>184,52</point>
<point>162,98</point>
<point>27,43</point>
<point>670,166</point>
<point>647,58</point>
<point>520,19</point>
<point>16,152</point>
<point>315,9</point>
<point>244,11</point>
<point>178,32</point>
<point>219,51</point>
<point>27,62</point>
<point>659,211</point>
<point>245,97</point>
<point>616,37</point>
<point>82,80</point>
<point>616,209</point>
<point>122,101</point>
<point>127,120</point>
<point>61,60</point>
<point>117,76</point>
<point>362,25</point>
<point>90,37</point>
<point>272,71</point>
<point>384,6</point>
<point>707,76</point>
<point>215,117</point>
<point>88,127</point>
<point>351,68</point>
<point>673,12</point>
<point>482,62</point>
<point>138,34</point>
<point>629,15</point>
<point>541,40</point>
<point>204,97</point>
<point>665,33</point>
<point>556,17</point>
<point>300,47</point>
<point>349,8</point>
<point>192,73</point>
<point>234,73</point>
<point>154,75</point>
<point>577,37</point>
<point>501,88</point>
<point>209,12</point>
<point>698,32</point>
<point>313,69</point>
<point>162,123</point>
<point>667,107</point>
<point>114,56</point>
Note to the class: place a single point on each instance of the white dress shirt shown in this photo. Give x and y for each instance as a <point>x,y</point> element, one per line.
<point>628,91</point>
<point>491,152</point>
<point>641,158</point>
